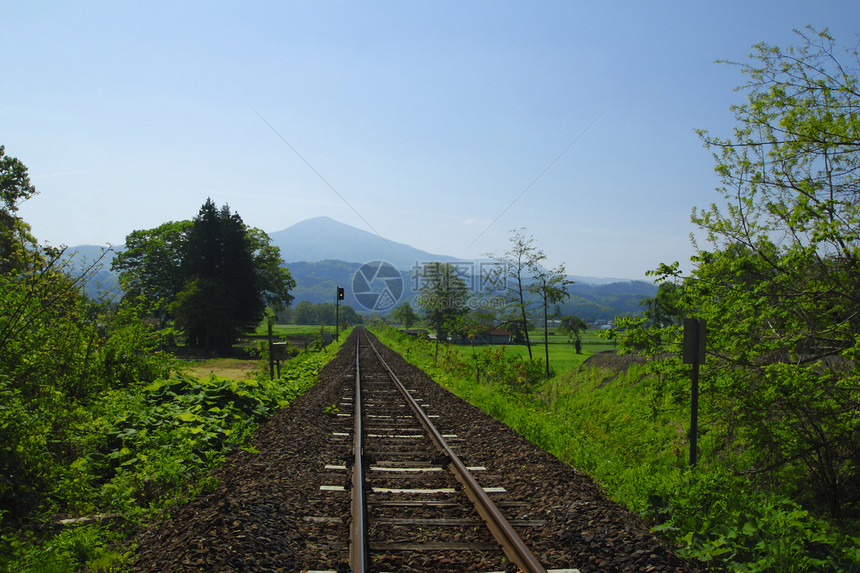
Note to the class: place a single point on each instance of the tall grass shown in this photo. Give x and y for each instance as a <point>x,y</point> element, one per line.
<point>631,438</point>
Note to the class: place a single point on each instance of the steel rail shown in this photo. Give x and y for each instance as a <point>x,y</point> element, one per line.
<point>511,543</point>
<point>358,546</point>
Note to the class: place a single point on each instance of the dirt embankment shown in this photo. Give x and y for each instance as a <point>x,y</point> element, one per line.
<point>610,360</point>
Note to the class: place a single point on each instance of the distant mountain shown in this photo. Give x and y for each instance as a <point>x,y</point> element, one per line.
<point>580,280</point>
<point>95,261</point>
<point>317,282</point>
<point>323,238</point>
<point>325,254</point>
<point>593,302</point>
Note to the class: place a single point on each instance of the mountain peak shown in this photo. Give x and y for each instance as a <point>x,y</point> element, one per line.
<point>321,220</point>
<point>321,238</point>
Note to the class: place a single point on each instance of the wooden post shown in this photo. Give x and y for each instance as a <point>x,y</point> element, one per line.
<point>271,360</point>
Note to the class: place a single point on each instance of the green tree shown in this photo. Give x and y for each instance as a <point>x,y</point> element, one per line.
<point>573,326</point>
<point>550,286</point>
<point>648,333</point>
<point>348,315</point>
<point>16,242</point>
<point>665,308</point>
<point>305,313</point>
<point>184,268</point>
<point>221,295</point>
<point>522,260</point>
<point>326,312</point>
<point>274,280</point>
<point>780,286</point>
<point>442,298</point>
<point>149,264</point>
<point>405,315</point>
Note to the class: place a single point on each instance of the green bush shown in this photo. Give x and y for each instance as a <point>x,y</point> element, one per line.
<point>140,448</point>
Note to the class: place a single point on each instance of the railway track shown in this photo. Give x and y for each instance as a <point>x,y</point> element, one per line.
<point>412,497</point>
<point>285,503</point>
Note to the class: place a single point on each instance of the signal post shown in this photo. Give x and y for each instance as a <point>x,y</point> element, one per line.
<point>337,300</point>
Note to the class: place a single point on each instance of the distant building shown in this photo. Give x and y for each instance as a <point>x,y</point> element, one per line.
<point>494,336</point>
<point>417,333</point>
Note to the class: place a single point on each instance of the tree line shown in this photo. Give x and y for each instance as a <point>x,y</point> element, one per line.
<point>306,312</point>
<point>213,277</point>
<point>521,293</point>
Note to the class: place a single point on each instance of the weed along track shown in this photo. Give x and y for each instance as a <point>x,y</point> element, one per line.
<point>325,489</point>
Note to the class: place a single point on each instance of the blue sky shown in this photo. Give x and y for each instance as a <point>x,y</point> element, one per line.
<point>439,124</point>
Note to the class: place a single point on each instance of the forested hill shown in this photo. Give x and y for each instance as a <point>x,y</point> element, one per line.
<point>317,282</point>
<point>597,302</point>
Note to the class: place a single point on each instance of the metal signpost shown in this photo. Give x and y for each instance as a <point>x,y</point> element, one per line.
<point>694,353</point>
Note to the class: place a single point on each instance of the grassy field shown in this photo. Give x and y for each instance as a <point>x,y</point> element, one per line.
<point>295,331</point>
<point>562,354</point>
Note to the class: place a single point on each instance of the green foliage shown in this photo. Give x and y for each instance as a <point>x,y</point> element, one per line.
<point>178,426</point>
<point>718,519</point>
<point>273,280</point>
<point>15,237</point>
<point>149,264</point>
<point>405,315</point>
<point>76,548</point>
<point>214,275</point>
<point>58,353</point>
<point>628,432</point>
<point>778,290</point>
<point>221,295</point>
<point>665,308</point>
<point>306,312</point>
<point>573,326</point>
<point>550,286</point>
<point>331,410</point>
<point>492,364</point>
<point>90,421</point>
<point>521,261</point>
<point>142,450</point>
<point>442,299</point>
<point>15,183</point>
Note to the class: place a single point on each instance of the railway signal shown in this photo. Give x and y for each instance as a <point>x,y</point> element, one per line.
<point>337,299</point>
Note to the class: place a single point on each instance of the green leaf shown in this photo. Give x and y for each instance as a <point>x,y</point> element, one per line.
<point>188,417</point>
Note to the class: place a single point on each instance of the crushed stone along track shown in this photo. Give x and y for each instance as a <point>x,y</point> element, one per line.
<point>269,512</point>
<point>416,505</point>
